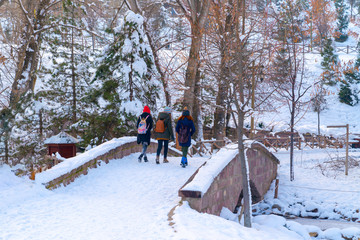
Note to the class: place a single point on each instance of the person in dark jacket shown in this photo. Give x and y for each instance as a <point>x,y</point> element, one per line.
<point>163,137</point>
<point>144,131</point>
<point>185,128</point>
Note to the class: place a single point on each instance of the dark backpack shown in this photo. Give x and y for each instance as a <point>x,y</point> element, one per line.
<point>160,126</point>
<point>183,135</point>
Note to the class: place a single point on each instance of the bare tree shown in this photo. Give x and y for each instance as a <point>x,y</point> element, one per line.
<point>2,2</point>
<point>222,20</point>
<point>35,14</point>
<point>244,62</point>
<point>294,87</point>
<point>196,12</point>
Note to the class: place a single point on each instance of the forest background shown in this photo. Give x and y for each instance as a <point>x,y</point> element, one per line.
<point>88,67</point>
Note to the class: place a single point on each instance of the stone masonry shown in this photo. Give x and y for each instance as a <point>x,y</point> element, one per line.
<point>117,153</point>
<point>227,186</point>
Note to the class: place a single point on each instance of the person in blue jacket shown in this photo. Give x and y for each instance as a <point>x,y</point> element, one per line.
<point>185,128</point>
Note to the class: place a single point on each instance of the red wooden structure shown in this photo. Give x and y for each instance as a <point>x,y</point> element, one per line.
<point>62,143</point>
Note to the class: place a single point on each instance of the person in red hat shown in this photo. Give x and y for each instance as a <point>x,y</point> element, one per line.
<point>144,126</point>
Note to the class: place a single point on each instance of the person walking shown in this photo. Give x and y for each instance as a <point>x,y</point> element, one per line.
<point>185,128</point>
<point>163,132</point>
<point>144,125</point>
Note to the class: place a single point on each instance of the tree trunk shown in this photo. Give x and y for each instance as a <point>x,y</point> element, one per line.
<point>219,116</point>
<point>7,148</point>
<point>2,2</point>
<point>28,56</point>
<point>193,65</point>
<point>240,131</point>
<point>318,117</point>
<point>73,78</point>
<point>244,171</point>
<point>292,121</point>
<point>163,78</point>
<point>196,113</point>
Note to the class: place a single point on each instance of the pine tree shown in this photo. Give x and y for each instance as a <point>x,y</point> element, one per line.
<point>347,95</point>
<point>281,65</point>
<point>349,88</point>
<point>342,21</point>
<point>328,63</point>
<point>69,73</point>
<point>26,139</point>
<point>123,82</point>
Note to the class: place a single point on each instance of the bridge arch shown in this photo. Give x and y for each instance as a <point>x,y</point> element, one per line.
<point>218,182</point>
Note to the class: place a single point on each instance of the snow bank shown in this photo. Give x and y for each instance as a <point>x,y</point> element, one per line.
<point>190,224</point>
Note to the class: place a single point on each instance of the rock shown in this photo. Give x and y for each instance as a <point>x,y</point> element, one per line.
<point>277,206</point>
<point>314,210</point>
<point>346,238</point>
<point>313,234</point>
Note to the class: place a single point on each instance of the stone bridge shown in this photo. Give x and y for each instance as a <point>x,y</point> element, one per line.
<point>218,182</point>
<point>79,165</point>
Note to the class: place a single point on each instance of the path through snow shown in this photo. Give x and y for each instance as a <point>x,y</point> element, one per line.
<point>119,200</point>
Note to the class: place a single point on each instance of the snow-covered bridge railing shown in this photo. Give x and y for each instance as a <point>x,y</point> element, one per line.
<point>218,183</point>
<point>65,172</point>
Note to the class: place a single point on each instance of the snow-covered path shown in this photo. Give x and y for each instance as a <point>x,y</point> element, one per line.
<point>120,200</point>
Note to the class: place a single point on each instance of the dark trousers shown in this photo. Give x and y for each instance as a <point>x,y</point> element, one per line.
<point>160,145</point>
<point>185,151</point>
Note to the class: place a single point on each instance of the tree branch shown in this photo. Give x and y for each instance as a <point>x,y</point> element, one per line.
<point>2,2</point>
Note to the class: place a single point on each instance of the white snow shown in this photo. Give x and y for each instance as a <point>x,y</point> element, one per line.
<point>62,137</point>
<point>129,200</point>
<point>74,162</point>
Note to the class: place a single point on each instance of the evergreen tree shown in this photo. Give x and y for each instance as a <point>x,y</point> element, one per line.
<point>349,89</point>
<point>348,95</point>
<point>123,83</point>
<point>328,63</point>
<point>342,21</point>
<point>55,106</point>
<point>67,73</point>
<point>26,139</point>
<point>281,65</point>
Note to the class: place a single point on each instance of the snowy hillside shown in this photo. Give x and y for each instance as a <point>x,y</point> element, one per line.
<point>335,113</point>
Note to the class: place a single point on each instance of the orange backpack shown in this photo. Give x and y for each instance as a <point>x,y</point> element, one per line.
<point>160,126</point>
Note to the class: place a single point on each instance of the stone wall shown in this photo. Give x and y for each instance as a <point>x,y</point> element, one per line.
<point>226,188</point>
<point>263,169</point>
<point>117,153</point>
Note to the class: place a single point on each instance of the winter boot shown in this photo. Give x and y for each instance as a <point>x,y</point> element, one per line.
<point>157,159</point>
<point>145,159</point>
<point>183,162</point>
<point>165,160</point>
<point>140,157</point>
<point>186,163</point>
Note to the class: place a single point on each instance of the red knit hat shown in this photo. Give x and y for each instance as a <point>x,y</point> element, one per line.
<point>146,109</point>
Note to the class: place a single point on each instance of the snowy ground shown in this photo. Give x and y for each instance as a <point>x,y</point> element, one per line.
<point>320,189</point>
<point>128,200</point>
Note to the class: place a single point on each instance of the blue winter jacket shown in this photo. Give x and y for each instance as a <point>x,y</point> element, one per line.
<point>187,123</point>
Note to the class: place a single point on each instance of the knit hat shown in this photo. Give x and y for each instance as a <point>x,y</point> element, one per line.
<point>167,109</point>
<point>186,112</point>
<point>146,109</point>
